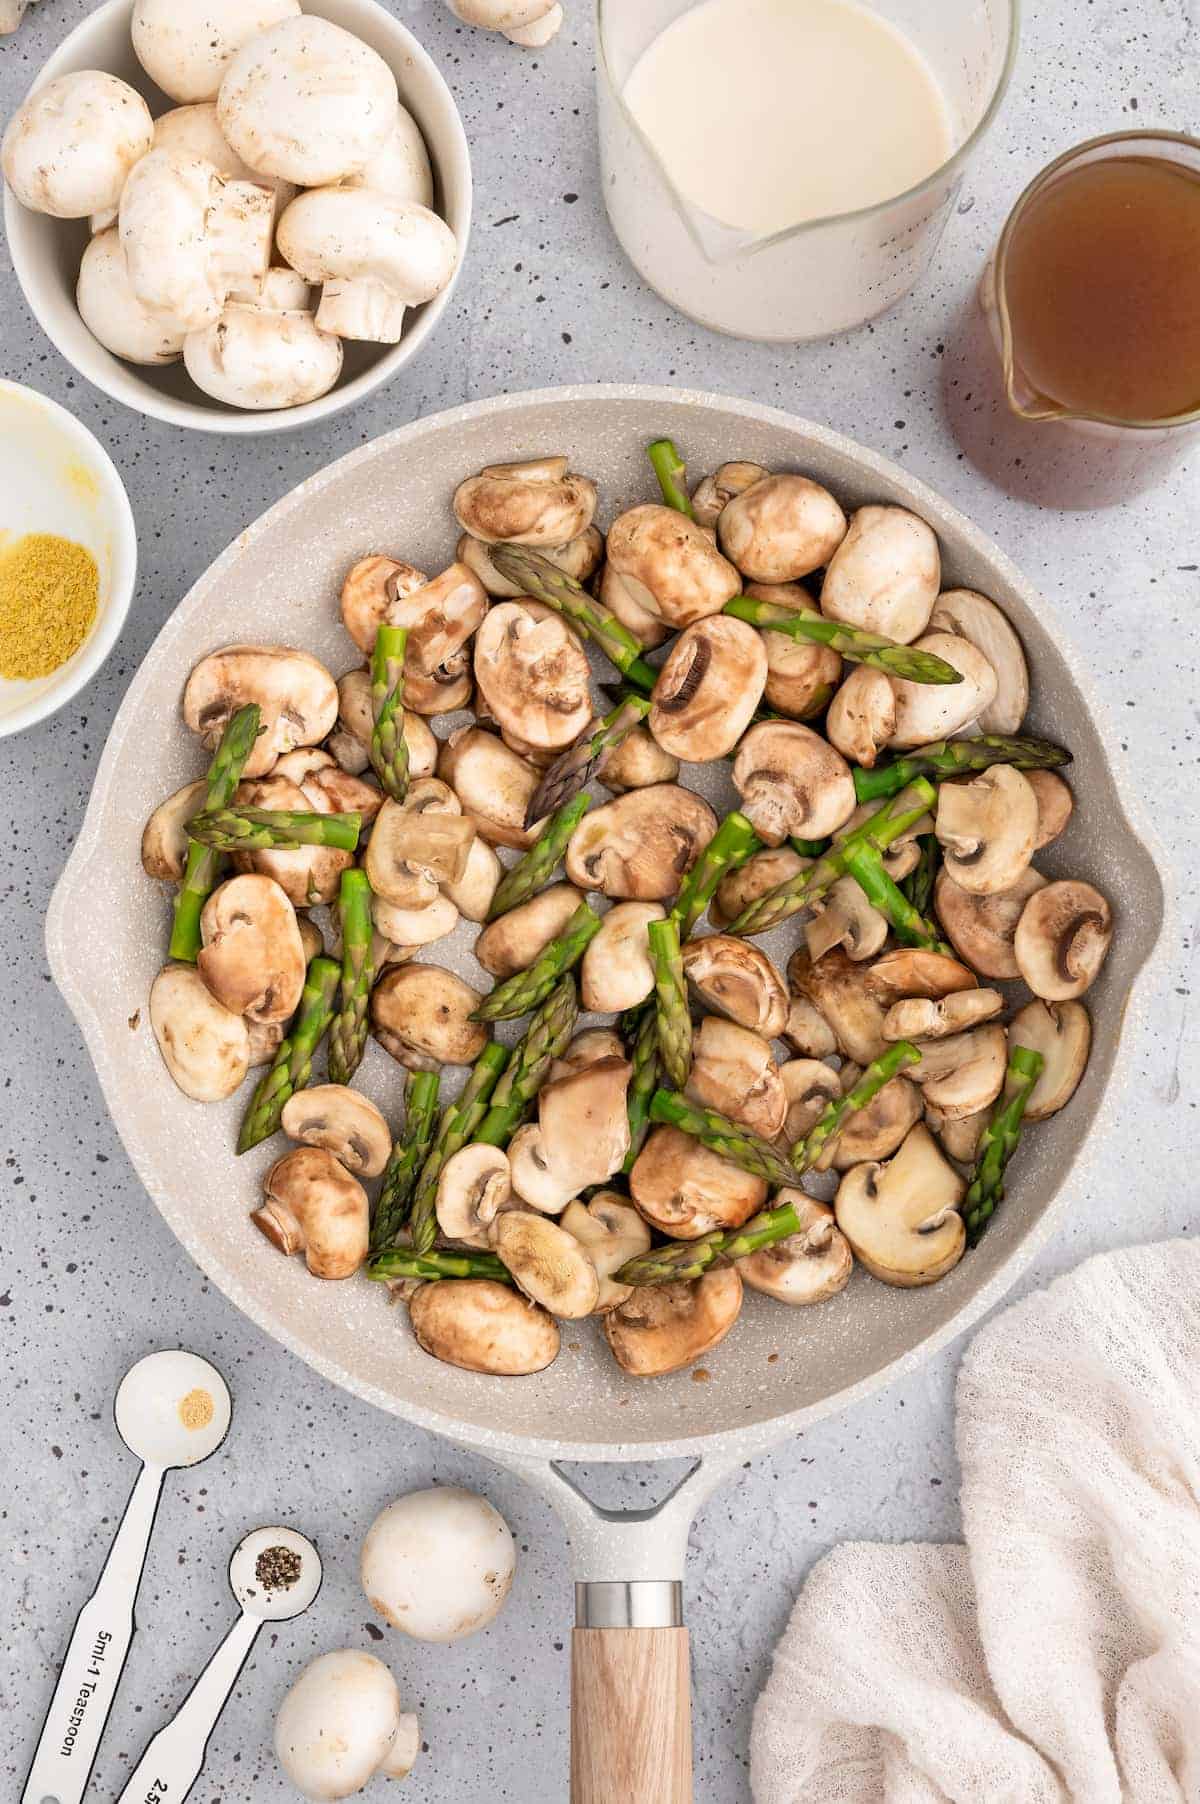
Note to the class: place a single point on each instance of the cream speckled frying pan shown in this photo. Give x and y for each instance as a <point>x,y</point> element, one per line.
<point>780,1369</point>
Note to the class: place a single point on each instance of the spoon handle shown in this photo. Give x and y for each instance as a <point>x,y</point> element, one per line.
<point>94,1660</point>
<point>174,1757</point>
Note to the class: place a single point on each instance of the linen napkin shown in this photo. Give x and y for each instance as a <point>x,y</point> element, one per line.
<point>1055,1659</point>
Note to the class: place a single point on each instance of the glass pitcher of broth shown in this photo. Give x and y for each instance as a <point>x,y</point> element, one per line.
<point>783,169</point>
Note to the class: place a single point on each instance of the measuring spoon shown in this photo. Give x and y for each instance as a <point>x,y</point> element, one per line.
<point>174,1758</point>
<point>172,1409</point>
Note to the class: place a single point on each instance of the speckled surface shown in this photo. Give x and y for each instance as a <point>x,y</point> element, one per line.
<point>92,1277</point>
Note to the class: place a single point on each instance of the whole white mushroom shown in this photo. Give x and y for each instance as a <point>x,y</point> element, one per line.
<point>187,45</point>
<point>374,256</point>
<point>191,236</point>
<point>70,145</point>
<point>438,1564</point>
<point>530,23</point>
<point>341,1723</point>
<point>265,350</point>
<point>112,312</point>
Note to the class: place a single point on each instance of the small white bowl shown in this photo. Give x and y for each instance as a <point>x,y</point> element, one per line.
<point>55,477</point>
<point>46,252</point>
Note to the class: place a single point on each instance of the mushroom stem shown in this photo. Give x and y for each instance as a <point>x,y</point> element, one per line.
<point>389,748</point>
<point>521,993</point>
<point>865,865</point>
<point>728,1138</point>
<point>672,1017</point>
<point>730,846</point>
<point>953,758</point>
<point>427,1268</point>
<point>533,872</point>
<point>351,1025</point>
<point>291,1068</point>
<point>546,1039</point>
<point>671,471</point>
<point>832,1123</point>
<point>998,1142</point>
<point>460,1122</point>
<point>573,769</point>
<point>273,829</point>
<point>538,577</point>
<point>918,885</point>
<point>855,644</point>
<point>409,1153</point>
<point>203,863</point>
<point>647,1069</point>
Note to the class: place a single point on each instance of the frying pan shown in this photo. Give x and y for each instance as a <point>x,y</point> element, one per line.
<point>780,1369</point>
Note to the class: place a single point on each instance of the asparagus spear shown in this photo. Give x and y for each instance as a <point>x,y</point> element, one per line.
<point>998,1142</point>
<point>918,885</point>
<point>538,577</point>
<point>200,875</point>
<point>389,748</point>
<point>574,769</point>
<point>546,1039</point>
<point>273,829</point>
<point>350,1026</point>
<point>956,758</point>
<point>671,471</point>
<point>291,1068</point>
<point>729,1138</point>
<point>647,1068</point>
<point>521,993</point>
<point>865,865</point>
<point>408,1155</point>
<point>401,1262</point>
<point>855,645</point>
<point>809,848</point>
<point>534,870</point>
<point>890,822</point>
<point>832,1122</point>
<point>460,1122</point>
<point>673,1021</point>
<point>730,846</point>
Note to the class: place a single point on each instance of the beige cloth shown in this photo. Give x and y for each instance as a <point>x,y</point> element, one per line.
<point>1055,1659</point>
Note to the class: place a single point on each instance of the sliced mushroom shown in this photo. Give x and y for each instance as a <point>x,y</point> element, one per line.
<point>311,937</point>
<point>982,928</point>
<point>412,849</point>
<point>611,1231</point>
<point>884,575</point>
<point>929,711</point>
<point>410,927</point>
<point>482,1326</point>
<point>972,616</point>
<point>737,980</point>
<point>1062,1033</point>
<point>1062,939</point>
<point>252,956</point>
<point>781,528</point>
<point>844,917</point>
<point>164,837</point>
<point>717,490</point>
<point>807,1032</point>
<point>959,1135</point>
<point>494,785</point>
<point>617,971</point>
<point>538,502</point>
<point>642,846</point>
<point>668,566</point>
<point>734,1072</point>
<point>909,971</point>
<point>326,787</point>
<point>902,1219</point>
<point>809,1087</point>
<point>620,599</point>
<point>588,1048</point>
<point>792,781</point>
<point>308,875</point>
<point>513,942</point>
<point>686,1190</point>
<point>636,763</point>
<point>369,588</point>
<point>533,675</point>
<point>964,1073</point>
<point>810,1265</point>
<point>312,1205</point>
<point>580,1139</point>
<point>928,1018</point>
<point>472,893</point>
<point>265,1038</point>
<point>841,992</point>
<point>475,1184</point>
<point>439,620</point>
<point>548,1263</point>
<point>205,1046</point>
<point>876,1131</point>
<point>862,715</point>
<point>708,689</point>
<point>761,874</point>
<point>421,1015</point>
<point>987,829</point>
<point>579,558</point>
<point>297,697</point>
<point>801,678</point>
<point>350,742</point>
<point>1055,805</point>
<point>344,1122</point>
<point>665,1326</point>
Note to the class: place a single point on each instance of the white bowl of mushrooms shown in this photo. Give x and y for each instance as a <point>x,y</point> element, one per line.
<point>178,196</point>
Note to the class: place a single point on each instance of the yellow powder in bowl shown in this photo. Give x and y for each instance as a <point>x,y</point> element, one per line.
<point>196,1409</point>
<point>49,593</point>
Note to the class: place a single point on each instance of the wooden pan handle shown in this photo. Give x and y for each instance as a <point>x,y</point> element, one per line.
<point>631,1717</point>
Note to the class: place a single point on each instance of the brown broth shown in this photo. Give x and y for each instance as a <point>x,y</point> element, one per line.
<point>1102,281</point>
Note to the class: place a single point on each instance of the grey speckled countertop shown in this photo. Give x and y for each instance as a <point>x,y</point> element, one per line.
<point>90,1277</point>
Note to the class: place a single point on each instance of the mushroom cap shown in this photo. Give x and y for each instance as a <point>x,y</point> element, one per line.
<point>686,1190</point>
<point>987,829</point>
<point>326,787</point>
<point>513,942</point>
<point>205,1046</point>
<point>781,528</point>
<point>350,743</point>
<point>929,711</point>
<point>1062,1033</point>
<point>533,676</point>
<point>482,1326</point>
<point>792,781</point>
<point>360,235</point>
<point>963,1073</point>
<point>982,928</point>
<point>337,1724</point>
<point>587,1048</point>
<point>959,1136</point>
<point>844,917</point>
<point>1062,939</point>
<point>716,491</point>
<point>902,1219</point>
<point>708,688</point>
<point>196,130</point>
<point>421,1015</point>
<point>342,1120</point>
<point>164,837</point>
<point>669,565</point>
<point>910,971</point>
<point>368,589</point>
<point>70,145</point>
<point>636,763</point>
<point>928,1018</point>
<point>807,1032</point>
<point>297,696</point>
<point>972,616</point>
<point>801,677</point>
<point>579,557</point>
<point>841,991</point>
<point>493,783</point>
<point>112,312</point>
<point>401,166</point>
<point>413,848</point>
<point>738,980</point>
<point>809,1086</point>
<point>312,1205</point>
<point>663,1327</point>
<point>413,927</point>
<point>761,873</point>
<point>472,893</point>
<point>641,846</point>
<point>474,1185</point>
<point>547,1263</point>
<point>1055,803</point>
<point>862,715</point>
<point>734,1072</point>
<point>185,46</point>
<point>307,875</point>
<point>611,1231</point>
<point>259,358</point>
<point>190,236</point>
<point>538,502</point>
<point>617,972</point>
<point>876,1131</point>
<point>581,1137</point>
<point>884,575</point>
<point>620,598</point>
<point>252,956</point>
<point>810,1265</point>
<point>307,101</point>
<point>438,1564</point>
